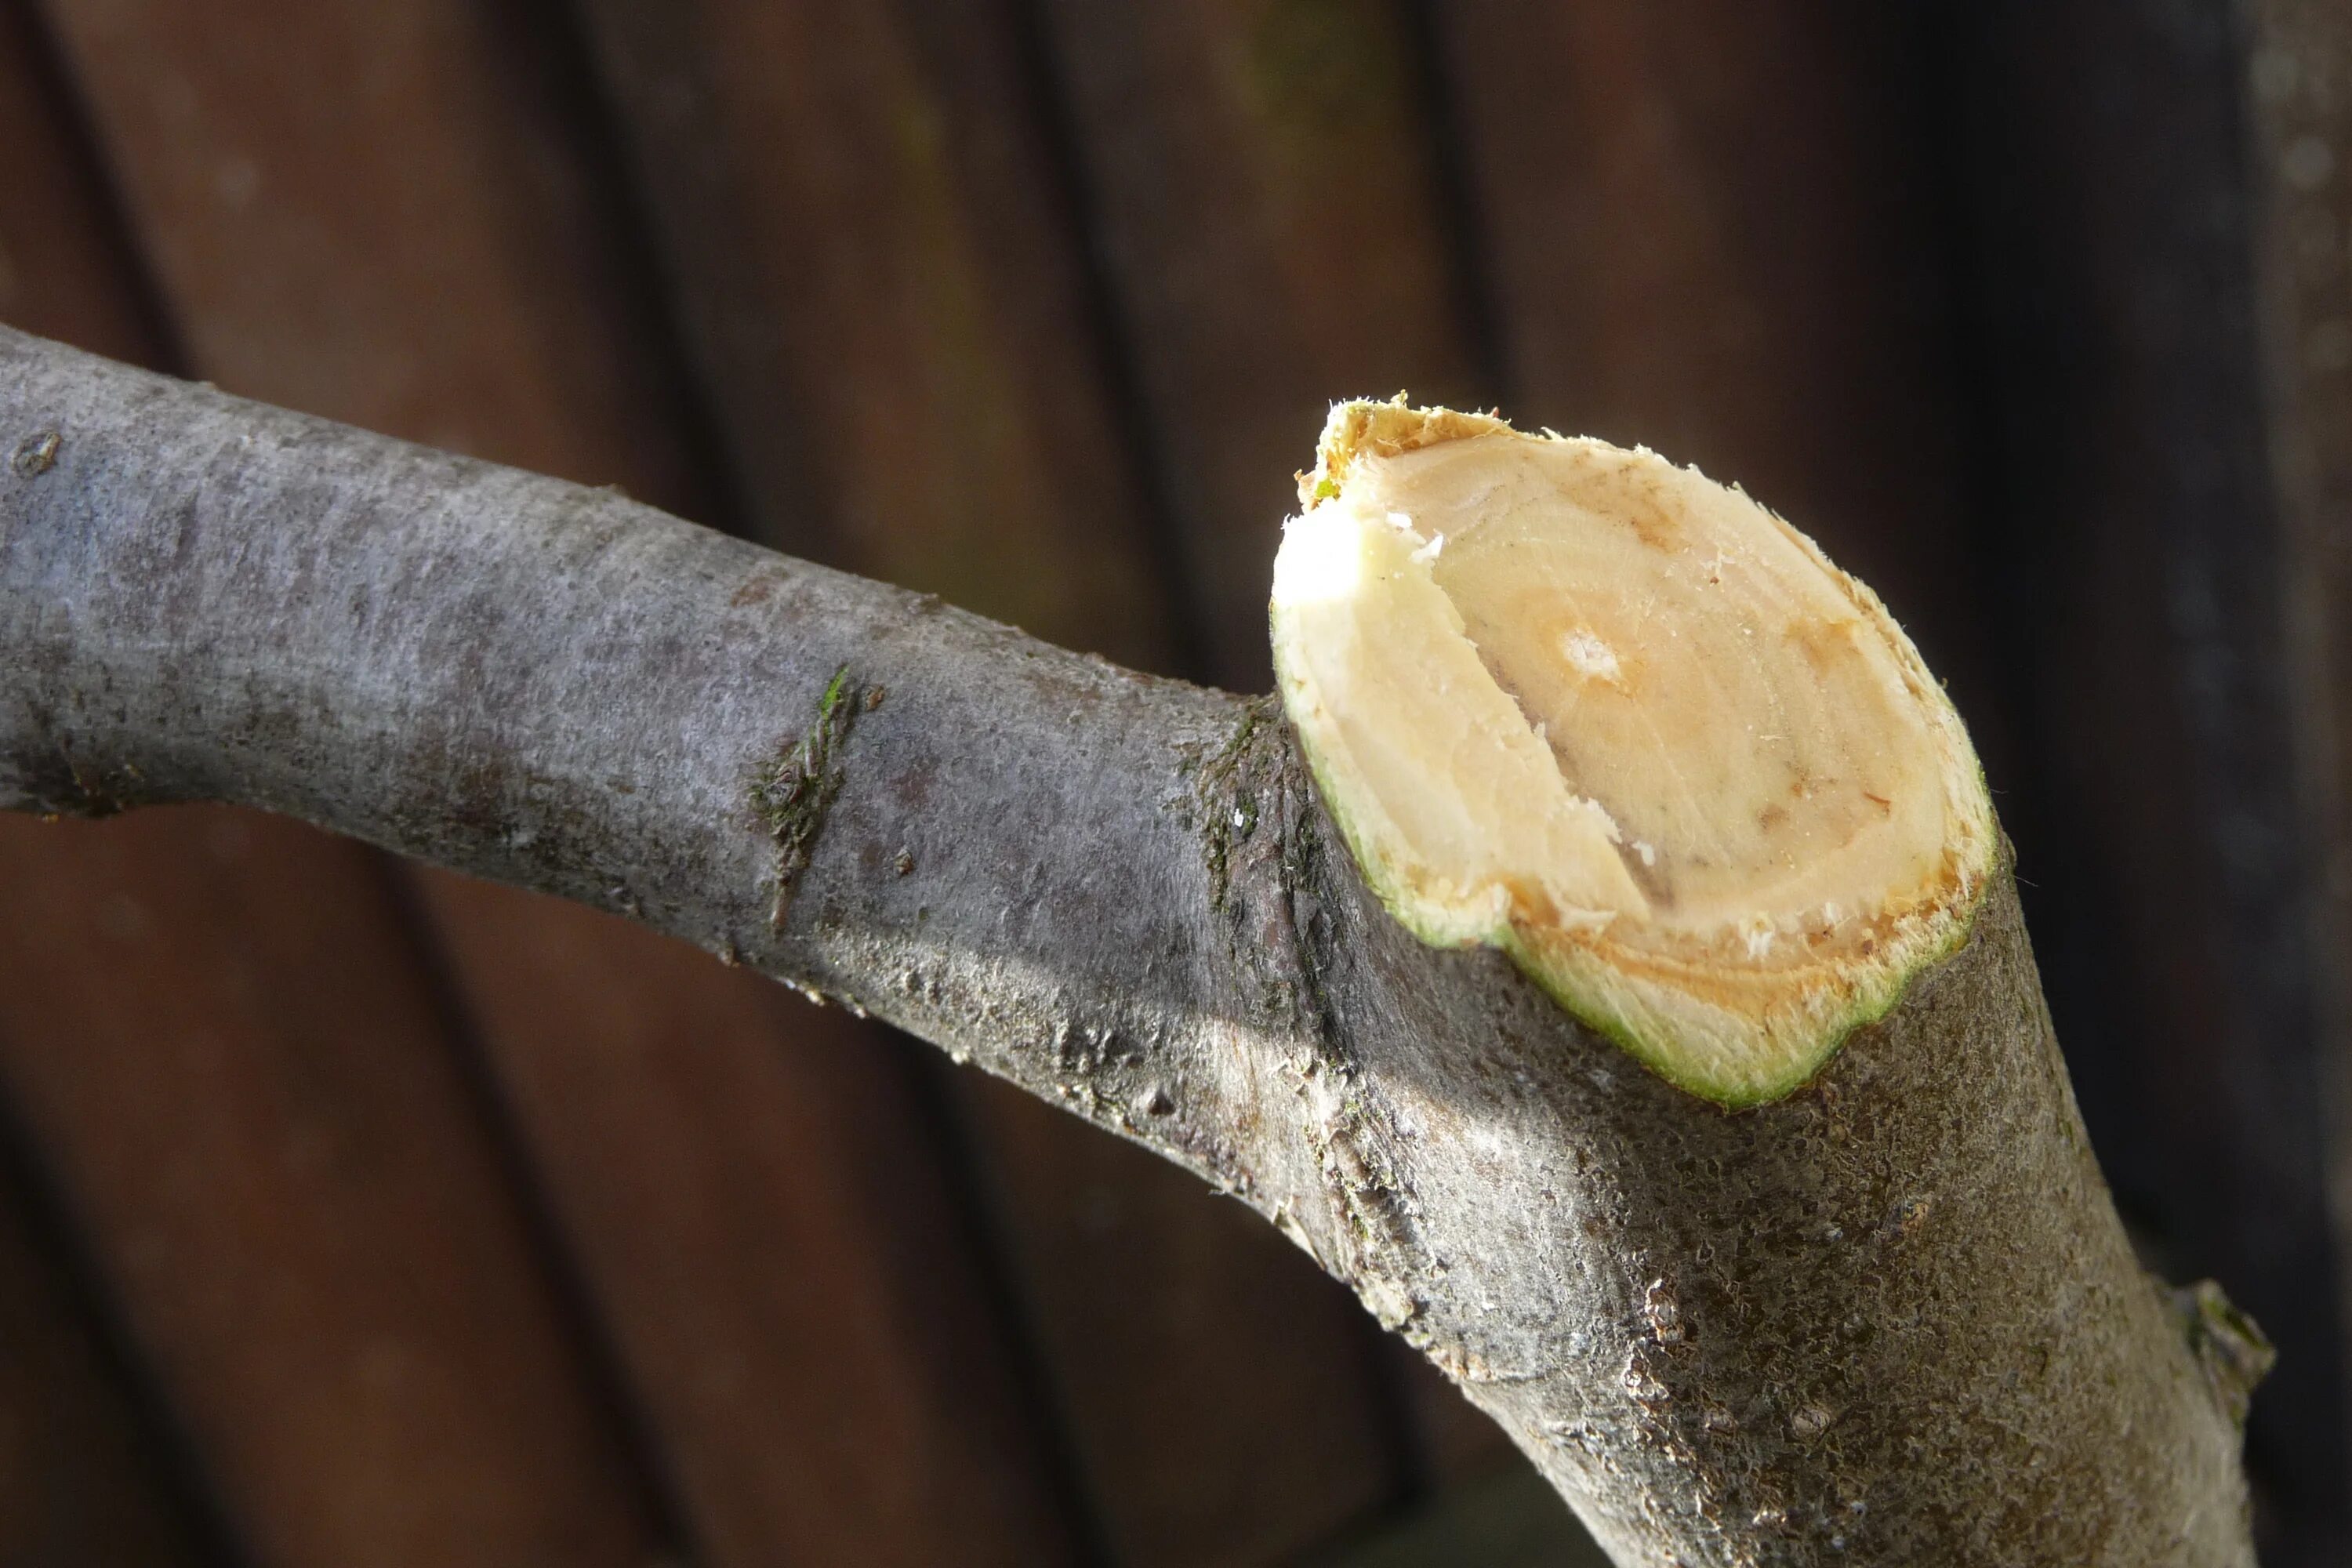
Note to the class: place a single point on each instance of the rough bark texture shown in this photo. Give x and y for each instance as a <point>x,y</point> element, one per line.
<point>1891,1319</point>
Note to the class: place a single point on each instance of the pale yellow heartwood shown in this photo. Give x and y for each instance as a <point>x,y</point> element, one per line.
<point>1622,720</point>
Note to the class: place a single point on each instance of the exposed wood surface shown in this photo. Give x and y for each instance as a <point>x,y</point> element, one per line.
<point>1710,230</point>
<point>1272,226</point>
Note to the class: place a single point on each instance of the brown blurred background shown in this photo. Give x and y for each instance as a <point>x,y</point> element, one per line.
<point>355,1214</point>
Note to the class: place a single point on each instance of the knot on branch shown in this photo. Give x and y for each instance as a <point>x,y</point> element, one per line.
<point>1263,835</point>
<point>1379,1248</point>
<point>60,784</point>
<point>2233,1351</point>
<point>792,796</point>
<point>1259,835</point>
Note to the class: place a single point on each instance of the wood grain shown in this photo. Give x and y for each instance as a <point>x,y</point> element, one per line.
<point>1711,229</point>
<point>1035,304</point>
<point>66,271</point>
<point>885,301</point>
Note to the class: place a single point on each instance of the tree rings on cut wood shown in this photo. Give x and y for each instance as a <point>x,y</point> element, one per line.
<point>1624,723</point>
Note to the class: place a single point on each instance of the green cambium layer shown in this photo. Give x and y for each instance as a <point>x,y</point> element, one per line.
<point>1624,724</point>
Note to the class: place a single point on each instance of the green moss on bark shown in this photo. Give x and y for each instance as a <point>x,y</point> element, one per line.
<point>792,796</point>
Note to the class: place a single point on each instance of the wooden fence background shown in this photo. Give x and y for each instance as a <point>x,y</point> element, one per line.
<point>352,1214</point>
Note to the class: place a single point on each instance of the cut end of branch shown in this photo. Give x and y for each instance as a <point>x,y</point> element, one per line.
<point>1624,723</point>
<point>2230,1348</point>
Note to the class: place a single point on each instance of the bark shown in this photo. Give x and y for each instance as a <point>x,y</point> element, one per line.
<point>1890,1319</point>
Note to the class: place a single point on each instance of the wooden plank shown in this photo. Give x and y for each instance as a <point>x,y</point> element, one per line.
<point>1218,1387</point>
<point>84,1475</point>
<point>343,198</point>
<point>120,1064</point>
<point>770,1234</point>
<point>1710,230</point>
<point>857,204</point>
<point>221,1044</point>
<point>2297,63</point>
<point>748,1201</point>
<point>1265,180</point>
<point>2102,184</point>
<point>64,271</point>
<point>885,302</point>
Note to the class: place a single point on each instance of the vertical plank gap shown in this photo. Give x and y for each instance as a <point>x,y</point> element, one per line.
<point>1463,233</point>
<point>944,1115</point>
<point>591,125</point>
<point>590,1340</point>
<point>185,1483</point>
<point>1113,337</point>
<point>149,313</point>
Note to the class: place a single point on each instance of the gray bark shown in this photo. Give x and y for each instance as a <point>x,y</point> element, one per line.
<point>1891,1319</point>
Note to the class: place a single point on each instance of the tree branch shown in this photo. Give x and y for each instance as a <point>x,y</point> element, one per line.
<point>1892,1317</point>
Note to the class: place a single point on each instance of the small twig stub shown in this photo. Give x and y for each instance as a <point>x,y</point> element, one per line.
<point>37,456</point>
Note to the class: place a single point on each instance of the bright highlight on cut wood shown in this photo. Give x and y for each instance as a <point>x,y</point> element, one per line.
<point>1622,722</point>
